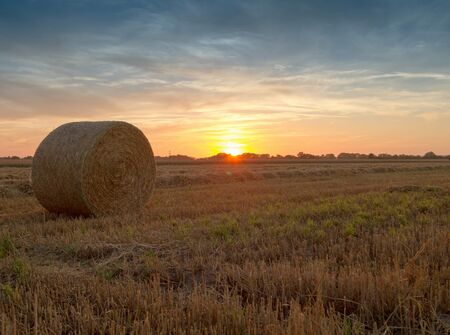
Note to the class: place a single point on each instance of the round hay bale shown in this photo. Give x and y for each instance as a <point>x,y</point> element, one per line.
<point>94,168</point>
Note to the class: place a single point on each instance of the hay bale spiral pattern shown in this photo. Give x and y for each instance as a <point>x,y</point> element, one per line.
<point>94,168</point>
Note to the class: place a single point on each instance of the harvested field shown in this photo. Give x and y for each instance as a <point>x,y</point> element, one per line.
<point>318,248</point>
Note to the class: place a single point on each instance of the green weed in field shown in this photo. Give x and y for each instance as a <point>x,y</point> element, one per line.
<point>20,268</point>
<point>226,230</point>
<point>131,231</point>
<point>350,229</point>
<point>6,247</point>
<point>7,290</point>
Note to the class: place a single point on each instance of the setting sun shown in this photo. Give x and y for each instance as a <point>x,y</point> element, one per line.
<point>233,149</point>
<point>229,139</point>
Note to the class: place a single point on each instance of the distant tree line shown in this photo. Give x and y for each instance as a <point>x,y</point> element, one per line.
<point>248,156</point>
<point>16,157</point>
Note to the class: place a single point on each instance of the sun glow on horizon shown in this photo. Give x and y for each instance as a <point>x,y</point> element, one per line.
<point>232,148</point>
<point>229,138</point>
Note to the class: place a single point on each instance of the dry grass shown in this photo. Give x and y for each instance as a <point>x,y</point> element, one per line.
<point>316,249</point>
<point>24,162</point>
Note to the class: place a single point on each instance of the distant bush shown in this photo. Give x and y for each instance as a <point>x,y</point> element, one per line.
<point>431,155</point>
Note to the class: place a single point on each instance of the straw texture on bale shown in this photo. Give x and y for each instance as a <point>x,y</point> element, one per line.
<point>94,168</point>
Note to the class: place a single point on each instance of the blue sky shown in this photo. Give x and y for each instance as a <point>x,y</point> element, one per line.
<point>201,76</point>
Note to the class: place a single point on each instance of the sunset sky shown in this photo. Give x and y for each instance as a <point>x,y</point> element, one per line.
<point>200,77</point>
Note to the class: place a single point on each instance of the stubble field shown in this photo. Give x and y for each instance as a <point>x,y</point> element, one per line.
<point>308,248</point>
